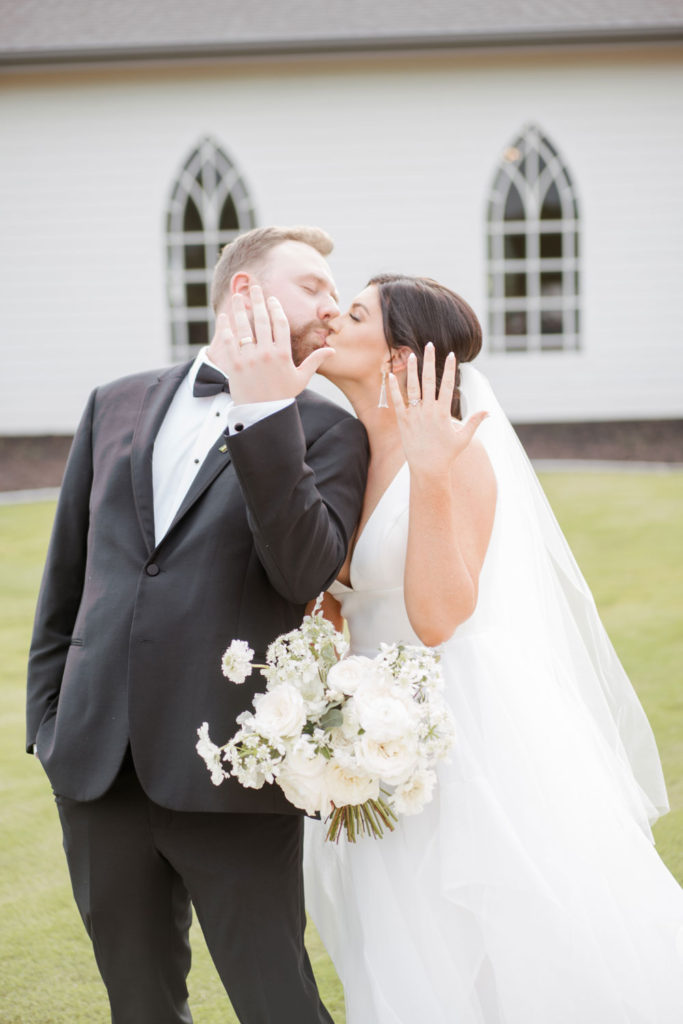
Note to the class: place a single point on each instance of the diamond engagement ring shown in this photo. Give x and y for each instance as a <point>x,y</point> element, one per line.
<point>414,401</point>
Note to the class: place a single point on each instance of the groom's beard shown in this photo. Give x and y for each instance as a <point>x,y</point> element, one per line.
<point>307,339</point>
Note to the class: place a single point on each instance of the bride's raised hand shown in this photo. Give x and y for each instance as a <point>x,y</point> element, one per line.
<point>432,439</point>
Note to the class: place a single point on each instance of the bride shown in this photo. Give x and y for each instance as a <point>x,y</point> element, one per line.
<point>529,890</point>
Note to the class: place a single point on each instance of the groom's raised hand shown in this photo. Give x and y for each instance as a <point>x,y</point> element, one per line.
<point>258,361</point>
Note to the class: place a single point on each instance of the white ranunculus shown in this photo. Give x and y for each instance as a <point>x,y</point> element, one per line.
<point>279,712</point>
<point>382,717</point>
<point>412,796</point>
<point>392,761</point>
<point>346,675</point>
<point>303,781</point>
<point>349,784</point>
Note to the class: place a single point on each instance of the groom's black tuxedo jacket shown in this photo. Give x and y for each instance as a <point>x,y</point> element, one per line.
<point>129,634</point>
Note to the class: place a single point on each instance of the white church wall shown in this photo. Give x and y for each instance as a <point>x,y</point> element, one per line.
<point>393,156</point>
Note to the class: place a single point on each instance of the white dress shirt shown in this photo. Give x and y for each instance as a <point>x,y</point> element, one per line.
<point>189,429</point>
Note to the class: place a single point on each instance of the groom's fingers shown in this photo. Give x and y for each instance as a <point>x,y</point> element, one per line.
<point>280,326</point>
<point>222,336</point>
<point>310,364</point>
<point>259,312</point>
<point>242,325</point>
<point>222,332</point>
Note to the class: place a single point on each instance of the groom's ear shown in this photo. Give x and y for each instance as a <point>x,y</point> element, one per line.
<point>240,284</point>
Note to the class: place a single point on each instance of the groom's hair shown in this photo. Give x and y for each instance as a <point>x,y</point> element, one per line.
<point>249,251</point>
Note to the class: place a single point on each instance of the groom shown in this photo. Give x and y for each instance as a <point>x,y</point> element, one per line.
<point>193,510</point>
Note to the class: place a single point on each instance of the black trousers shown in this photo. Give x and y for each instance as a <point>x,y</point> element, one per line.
<point>136,867</point>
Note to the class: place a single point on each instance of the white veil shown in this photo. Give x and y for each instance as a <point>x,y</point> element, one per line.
<point>548,603</point>
<point>529,889</point>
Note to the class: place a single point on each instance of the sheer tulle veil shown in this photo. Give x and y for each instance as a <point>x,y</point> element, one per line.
<point>547,605</point>
<point>529,889</point>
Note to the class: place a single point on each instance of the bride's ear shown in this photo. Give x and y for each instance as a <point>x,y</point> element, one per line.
<point>398,361</point>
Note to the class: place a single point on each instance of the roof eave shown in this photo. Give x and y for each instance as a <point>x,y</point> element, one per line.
<point>348,45</point>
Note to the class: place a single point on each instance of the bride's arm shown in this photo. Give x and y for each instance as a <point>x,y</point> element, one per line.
<point>451,518</point>
<point>452,504</point>
<point>331,610</point>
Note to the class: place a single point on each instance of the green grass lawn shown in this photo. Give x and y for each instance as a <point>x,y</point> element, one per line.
<point>626,533</point>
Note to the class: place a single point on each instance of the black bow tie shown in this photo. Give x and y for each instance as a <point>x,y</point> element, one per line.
<point>209,382</point>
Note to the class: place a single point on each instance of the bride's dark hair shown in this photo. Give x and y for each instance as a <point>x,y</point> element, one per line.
<point>416,310</point>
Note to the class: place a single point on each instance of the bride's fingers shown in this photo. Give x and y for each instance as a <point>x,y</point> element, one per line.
<point>448,381</point>
<point>468,428</point>
<point>412,382</point>
<point>429,374</point>
<point>396,396</point>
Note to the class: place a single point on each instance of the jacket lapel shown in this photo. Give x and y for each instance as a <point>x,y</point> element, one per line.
<point>214,463</point>
<point>154,407</point>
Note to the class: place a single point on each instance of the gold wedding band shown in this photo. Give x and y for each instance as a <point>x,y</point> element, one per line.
<point>246,341</point>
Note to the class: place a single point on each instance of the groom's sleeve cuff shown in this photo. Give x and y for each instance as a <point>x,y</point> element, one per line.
<point>240,417</point>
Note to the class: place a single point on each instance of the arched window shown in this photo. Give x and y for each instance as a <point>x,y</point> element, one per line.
<point>533,250</point>
<point>209,206</point>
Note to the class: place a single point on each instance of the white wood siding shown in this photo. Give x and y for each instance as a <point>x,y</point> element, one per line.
<point>394,156</point>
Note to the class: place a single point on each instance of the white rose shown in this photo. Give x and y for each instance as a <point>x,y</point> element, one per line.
<point>415,793</point>
<point>392,761</point>
<point>346,675</point>
<point>349,784</point>
<point>279,712</point>
<point>384,718</point>
<point>303,781</point>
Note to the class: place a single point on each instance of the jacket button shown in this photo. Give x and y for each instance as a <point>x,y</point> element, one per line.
<point>152,569</point>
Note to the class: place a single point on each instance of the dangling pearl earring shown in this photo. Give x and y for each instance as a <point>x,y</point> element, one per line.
<point>383,404</point>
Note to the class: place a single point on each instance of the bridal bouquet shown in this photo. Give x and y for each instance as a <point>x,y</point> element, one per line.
<point>354,739</point>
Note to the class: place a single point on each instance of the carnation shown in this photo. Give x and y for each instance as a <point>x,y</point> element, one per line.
<point>236,662</point>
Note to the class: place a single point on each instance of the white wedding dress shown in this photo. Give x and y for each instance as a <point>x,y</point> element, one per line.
<point>529,891</point>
